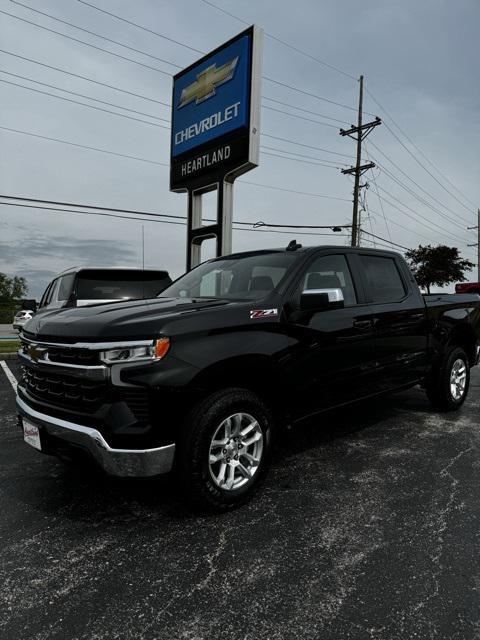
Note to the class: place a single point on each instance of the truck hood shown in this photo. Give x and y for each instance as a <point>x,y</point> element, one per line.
<point>130,320</point>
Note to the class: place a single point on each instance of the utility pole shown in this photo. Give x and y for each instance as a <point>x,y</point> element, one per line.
<point>477,244</point>
<point>358,133</point>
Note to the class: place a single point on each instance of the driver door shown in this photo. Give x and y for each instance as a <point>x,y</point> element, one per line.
<point>332,359</point>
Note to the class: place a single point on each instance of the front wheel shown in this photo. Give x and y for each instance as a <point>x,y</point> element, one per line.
<point>224,452</point>
<point>449,382</point>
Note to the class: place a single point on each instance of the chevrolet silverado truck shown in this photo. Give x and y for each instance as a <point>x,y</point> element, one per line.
<point>200,379</point>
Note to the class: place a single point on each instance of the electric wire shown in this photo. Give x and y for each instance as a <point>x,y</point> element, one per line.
<point>97,35</point>
<point>90,106</point>
<point>110,215</point>
<point>416,183</point>
<point>418,148</point>
<point>162,71</point>
<point>82,95</point>
<point>283,42</point>
<point>139,26</point>
<point>83,146</point>
<point>86,78</point>
<point>88,44</point>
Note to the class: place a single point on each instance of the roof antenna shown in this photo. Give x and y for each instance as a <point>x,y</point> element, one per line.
<point>293,246</point>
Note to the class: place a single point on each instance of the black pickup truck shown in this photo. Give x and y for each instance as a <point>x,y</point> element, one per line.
<point>199,379</point>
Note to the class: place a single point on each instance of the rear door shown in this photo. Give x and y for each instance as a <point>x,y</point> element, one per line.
<point>332,358</point>
<point>399,318</point>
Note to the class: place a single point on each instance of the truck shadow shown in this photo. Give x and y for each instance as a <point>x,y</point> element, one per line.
<point>83,493</point>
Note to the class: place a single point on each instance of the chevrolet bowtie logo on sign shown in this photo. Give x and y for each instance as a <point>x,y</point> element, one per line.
<point>207,81</point>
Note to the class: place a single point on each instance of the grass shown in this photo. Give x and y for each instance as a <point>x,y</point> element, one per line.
<point>9,346</point>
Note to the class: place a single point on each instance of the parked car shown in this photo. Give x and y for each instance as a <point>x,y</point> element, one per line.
<point>21,318</point>
<point>201,378</point>
<point>85,286</point>
<point>468,287</point>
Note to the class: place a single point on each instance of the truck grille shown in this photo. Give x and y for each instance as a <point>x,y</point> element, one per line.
<point>81,357</point>
<point>63,391</point>
<point>75,394</point>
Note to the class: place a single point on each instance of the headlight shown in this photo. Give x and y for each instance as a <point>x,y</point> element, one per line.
<point>155,351</point>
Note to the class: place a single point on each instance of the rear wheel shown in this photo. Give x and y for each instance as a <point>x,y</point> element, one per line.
<point>224,452</point>
<point>449,382</point>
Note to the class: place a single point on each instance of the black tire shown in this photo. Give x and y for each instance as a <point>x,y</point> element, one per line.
<point>438,387</point>
<point>193,449</point>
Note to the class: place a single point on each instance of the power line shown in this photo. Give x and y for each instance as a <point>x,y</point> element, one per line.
<point>88,44</point>
<point>76,75</point>
<point>111,215</point>
<point>425,168</point>
<point>415,195</point>
<point>139,26</point>
<point>81,95</point>
<point>283,42</point>
<point>142,64</point>
<point>415,183</point>
<point>452,234</point>
<point>307,93</point>
<point>266,186</point>
<point>303,193</point>
<point>96,207</point>
<point>294,115</point>
<point>307,146</point>
<point>419,150</point>
<point>315,164</point>
<point>401,226</point>
<point>301,155</point>
<point>90,106</point>
<point>143,97</point>
<point>83,146</point>
<point>293,106</point>
<point>395,244</point>
<point>113,153</point>
<point>427,226</point>
<point>97,35</point>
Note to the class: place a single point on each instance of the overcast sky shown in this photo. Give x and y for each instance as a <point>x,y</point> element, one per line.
<point>420,59</point>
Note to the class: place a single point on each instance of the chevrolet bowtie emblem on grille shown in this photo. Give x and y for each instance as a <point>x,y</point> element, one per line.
<point>207,81</point>
<point>35,352</point>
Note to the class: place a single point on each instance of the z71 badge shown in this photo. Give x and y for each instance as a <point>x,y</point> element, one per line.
<point>263,313</point>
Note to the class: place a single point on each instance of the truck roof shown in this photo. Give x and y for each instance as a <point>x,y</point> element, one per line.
<point>311,249</point>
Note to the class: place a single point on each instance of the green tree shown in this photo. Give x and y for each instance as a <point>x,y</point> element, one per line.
<point>12,288</point>
<point>438,266</point>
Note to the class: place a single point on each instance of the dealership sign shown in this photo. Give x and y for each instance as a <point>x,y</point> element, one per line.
<point>216,114</point>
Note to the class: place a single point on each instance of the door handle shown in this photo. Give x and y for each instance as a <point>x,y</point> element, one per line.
<point>362,324</point>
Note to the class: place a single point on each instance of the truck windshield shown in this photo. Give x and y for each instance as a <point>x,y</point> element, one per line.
<point>115,285</point>
<point>243,276</point>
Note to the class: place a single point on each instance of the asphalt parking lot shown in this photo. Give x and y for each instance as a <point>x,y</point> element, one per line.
<point>368,527</point>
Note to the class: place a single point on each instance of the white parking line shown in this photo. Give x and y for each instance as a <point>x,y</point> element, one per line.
<point>9,374</point>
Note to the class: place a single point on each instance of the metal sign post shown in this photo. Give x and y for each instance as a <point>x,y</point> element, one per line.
<point>215,133</point>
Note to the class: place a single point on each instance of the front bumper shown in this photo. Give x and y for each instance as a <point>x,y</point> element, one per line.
<point>115,462</point>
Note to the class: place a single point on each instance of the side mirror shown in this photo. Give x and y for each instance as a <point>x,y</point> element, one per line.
<point>321,299</point>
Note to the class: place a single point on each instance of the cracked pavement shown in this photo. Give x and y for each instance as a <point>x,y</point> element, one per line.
<point>367,528</point>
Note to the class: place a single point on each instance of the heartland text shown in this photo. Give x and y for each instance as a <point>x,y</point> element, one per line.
<point>207,160</point>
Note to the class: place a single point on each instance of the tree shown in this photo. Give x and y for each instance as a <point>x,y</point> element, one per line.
<point>438,266</point>
<point>12,288</point>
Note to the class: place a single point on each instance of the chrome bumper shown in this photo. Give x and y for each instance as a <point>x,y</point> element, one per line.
<point>115,462</point>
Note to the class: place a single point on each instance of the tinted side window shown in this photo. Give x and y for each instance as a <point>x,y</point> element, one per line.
<point>331,272</point>
<point>383,278</point>
<point>46,293</point>
<point>66,284</point>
